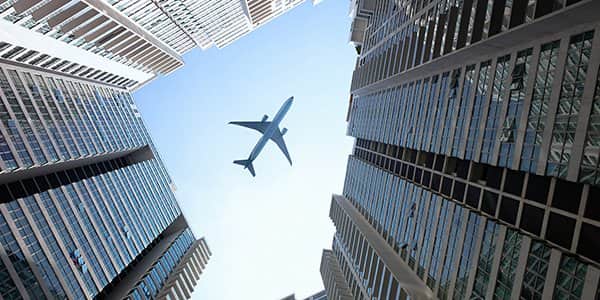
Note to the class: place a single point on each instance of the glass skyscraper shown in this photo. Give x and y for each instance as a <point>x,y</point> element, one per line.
<point>87,209</point>
<point>475,168</point>
<point>87,205</point>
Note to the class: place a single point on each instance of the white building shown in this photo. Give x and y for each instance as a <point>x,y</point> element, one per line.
<point>124,43</point>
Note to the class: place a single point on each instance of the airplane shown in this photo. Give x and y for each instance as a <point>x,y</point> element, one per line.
<point>270,131</point>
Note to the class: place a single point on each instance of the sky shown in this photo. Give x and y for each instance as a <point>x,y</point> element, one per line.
<point>266,233</point>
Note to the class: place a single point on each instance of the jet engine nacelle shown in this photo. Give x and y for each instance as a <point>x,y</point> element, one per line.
<point>283,131</point>
<point>264,118</point>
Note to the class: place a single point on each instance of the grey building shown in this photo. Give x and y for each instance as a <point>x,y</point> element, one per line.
<point>475,171</point>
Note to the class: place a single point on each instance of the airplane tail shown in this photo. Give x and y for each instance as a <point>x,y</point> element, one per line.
<point>247,165</point>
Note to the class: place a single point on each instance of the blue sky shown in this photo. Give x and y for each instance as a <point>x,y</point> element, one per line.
<point>266,233</point>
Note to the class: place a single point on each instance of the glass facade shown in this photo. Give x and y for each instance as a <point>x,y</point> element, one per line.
<point>69,232</point>
<point>475,163</point>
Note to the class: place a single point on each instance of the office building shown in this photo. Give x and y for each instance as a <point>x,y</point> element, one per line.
<point>87,207</point>
<point>475,169</point>
<point>125,43</point>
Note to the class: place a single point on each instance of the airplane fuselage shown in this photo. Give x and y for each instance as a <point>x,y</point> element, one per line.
<point>271,129</point>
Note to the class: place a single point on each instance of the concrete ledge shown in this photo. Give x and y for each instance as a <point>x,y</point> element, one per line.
<point>132,156</point>
<point>115,15</point>
<point>31,40</point>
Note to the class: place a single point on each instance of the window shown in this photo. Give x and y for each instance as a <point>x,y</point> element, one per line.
<point>463,105</point>
<point>538,111</point>
<point>535,271</point>
<point>450,111</point>
<point>508,264</point>
<point>570,279</point>
<point>495,107</point>
<point>436,130</point>
<point>515,106</point>
<point>451,251</point>
<point>462,277</point>
<point>569,103</point>
<point>13,52</point>
<point>485,261</point>
<point>507,131</point>
<point>590,163</point>
<point>475,119</point>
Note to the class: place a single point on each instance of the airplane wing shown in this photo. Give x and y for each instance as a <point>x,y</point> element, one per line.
<point>258,126</point>
<point>277,138</point>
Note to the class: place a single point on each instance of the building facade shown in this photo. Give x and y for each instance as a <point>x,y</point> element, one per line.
<point>87,207</point>
<point>125,43</point>
<point>475,171</point>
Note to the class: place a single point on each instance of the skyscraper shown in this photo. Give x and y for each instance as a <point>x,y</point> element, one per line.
<point>87,207</point>
<point>475,171</point>
<point>125,43</point>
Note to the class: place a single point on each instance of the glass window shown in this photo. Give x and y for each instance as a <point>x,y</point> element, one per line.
<point>535,271</point>
<point>486,258</point>
<point>434,265</point>
<point>12,125</point>
<point>570,279</point>
<point>590,163</point>
<point>435,131</point>
<point>429,227</point>
<point>19,261</point>
<point>515,105</point>
<point>539,106</point>
<point>569,103</point>
<point>508,264</point>
<point>466,257</point>
<point>450,111</point>
<point>451,250</point>
<point>499,87</point>
<point>463,106</point>
<point>480,95</point>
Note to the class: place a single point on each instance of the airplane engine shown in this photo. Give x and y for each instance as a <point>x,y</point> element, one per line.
<point>283,131</point>
<point>265,117</point>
